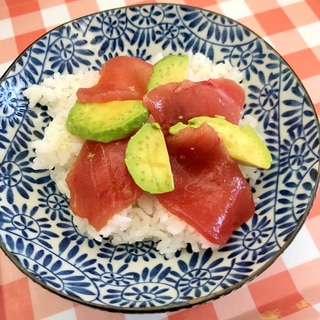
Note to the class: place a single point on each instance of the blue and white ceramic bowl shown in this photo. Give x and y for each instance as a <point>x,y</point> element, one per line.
<point>36,228</point>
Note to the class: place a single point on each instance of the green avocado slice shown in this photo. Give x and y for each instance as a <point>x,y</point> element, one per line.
<point>106,121</point>
<point>243,143</point>
<point>147,160</point>
<point>172,68</point>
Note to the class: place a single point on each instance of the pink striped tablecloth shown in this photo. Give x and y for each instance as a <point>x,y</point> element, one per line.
<point>290,288</point>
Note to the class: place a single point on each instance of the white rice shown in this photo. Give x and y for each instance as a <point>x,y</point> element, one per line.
<point>57,151</point>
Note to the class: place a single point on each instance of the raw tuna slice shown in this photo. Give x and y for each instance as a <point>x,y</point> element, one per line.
<point>99,182</point>
<point>181,101</point>
<point>210,192</point>
<point>121,78</point>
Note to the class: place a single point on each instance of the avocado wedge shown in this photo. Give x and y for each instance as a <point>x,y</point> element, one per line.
<point>243,143</point>
<point>147,160</point>
<point>106,121</point>
<point>172,68</point>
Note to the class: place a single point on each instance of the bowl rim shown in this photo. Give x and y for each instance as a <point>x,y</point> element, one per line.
<point>203,299</point>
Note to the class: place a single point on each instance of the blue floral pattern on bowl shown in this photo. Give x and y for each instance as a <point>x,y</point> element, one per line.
<point>36,227</point>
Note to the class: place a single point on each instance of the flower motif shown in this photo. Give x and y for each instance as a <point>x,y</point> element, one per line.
<point>250,242</point>
<point>113,25</point>
<point>27,223</point>
<point>67,52</point>
<point>293,155</point>
<point>144,250</point>
<point>298,154</point>
<point>118,277</point>
<point>264,99</point>
<point>28,226</point>
<point>142,294</point>
<point>200,274</point>
<point>109,32</point>
<point>15,176</point>
<point>170,36</point>
<point>146,17</point>
<point>246,57</point>
<point>148,294</point>
<point>54,203</point>
<point>196,281</point>
<point>156,25</point>
<point>12,104</point>
<point>10,175</point>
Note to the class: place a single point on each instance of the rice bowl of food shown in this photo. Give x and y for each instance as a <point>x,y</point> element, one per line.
<point>145,258</point>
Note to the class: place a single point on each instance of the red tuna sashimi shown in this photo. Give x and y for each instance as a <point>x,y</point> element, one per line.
<point>121,78</point>
<point>99,182</point>
<point>181,101</point>
<point>210,192</point>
